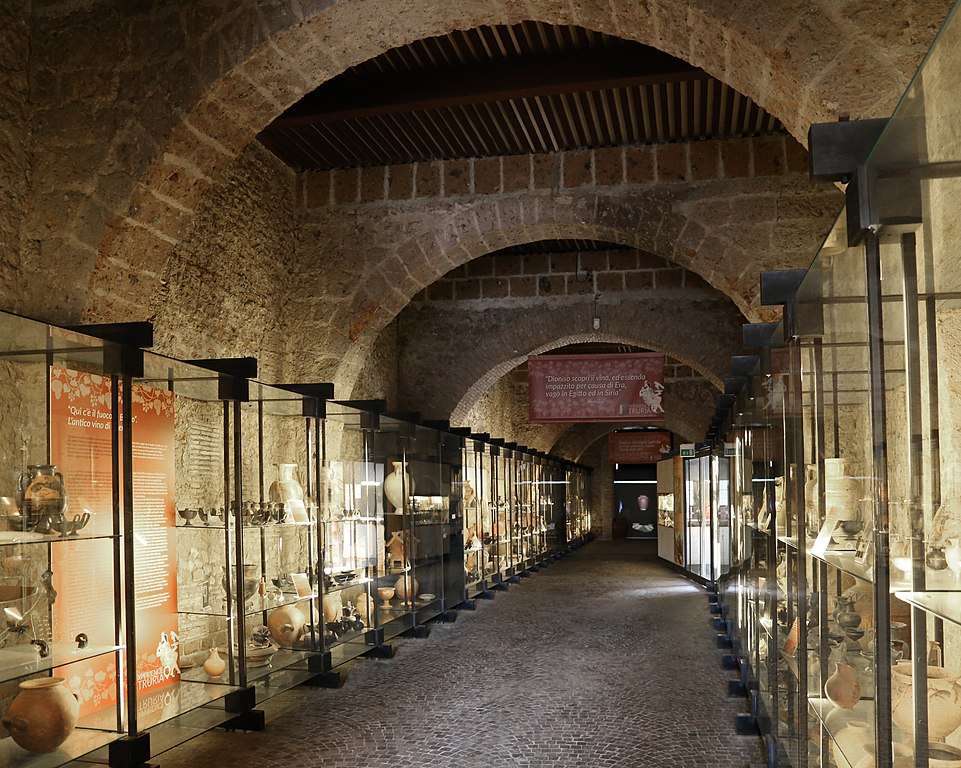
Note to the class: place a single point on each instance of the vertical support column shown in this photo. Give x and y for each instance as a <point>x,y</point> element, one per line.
<point>882,567</point>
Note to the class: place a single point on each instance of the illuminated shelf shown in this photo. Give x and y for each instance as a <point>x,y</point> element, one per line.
<point>946,605</point>
<point>20,660</point>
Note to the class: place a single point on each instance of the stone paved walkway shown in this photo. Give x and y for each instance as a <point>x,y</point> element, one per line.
<point>604,659</point>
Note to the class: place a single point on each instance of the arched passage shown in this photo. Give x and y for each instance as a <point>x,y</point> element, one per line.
<point>200,101</point>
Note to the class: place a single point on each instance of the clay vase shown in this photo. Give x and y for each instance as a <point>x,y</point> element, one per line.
<point>469,494</point>
<point>44,714</point>
<point>842,688</point>
<point>406,588</point>
<point>288,490</point>
<point>214,666</point>
<point>870,758</point>
<point>849,744</point>
<point>944,701</point>
<point>287,625</point>
<point>842,493</point>
<point>397,485</point>
<point>364,605</point>
<point>42,496</point>
<point>332,606</point>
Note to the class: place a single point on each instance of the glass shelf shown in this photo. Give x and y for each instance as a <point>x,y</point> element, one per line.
<point>16,538</point>
<point>81,742</point>
<point>946,605</point>
<point>20,660</point>
<point>844,561</point>
<point>263,604</point>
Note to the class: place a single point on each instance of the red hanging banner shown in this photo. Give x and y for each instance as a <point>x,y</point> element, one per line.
<point>591,388</point>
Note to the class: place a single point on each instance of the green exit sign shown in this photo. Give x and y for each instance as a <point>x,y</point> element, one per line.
<point>687,450</point>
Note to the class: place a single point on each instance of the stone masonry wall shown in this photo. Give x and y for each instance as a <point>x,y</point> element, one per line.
<point>14,143</point>
<point>228,284</point>
<point>374,239</point>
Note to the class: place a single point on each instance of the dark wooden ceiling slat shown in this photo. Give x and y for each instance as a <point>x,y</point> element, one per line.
<point>530,105</point>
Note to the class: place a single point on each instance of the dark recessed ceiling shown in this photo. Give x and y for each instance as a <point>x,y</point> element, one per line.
<point>504,90</point>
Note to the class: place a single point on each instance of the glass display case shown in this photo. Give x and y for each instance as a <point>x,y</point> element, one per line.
<point>61,553</point>
<point>860,393</point>
<point>477,536</point>
<point>366,566</point>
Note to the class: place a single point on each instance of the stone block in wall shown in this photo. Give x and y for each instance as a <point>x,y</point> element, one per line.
<point>457,177</point>
<point>797,157</point>
<point>563,262</point>
<point>639,164</point>
<point>578,170</point>
<point>428,179</point>
<point>736,158</point>
<point>400,182</point>
<point>495,288</point>
<point>346,184</point>
<point>517,172</point>
<point>442,290</point>
<point>668,278</point>
<point>610,282</point>
<point>480,268</point>
<point>467,289</point>
<point>546,171</point>
<point>638,281</point>
<point>535,263</point>
<point>317,189</point>
<point>596,261</point>
<point>487,175</point>
<point>769,157</point>
<point>704,158</point>
<point>523,286</point>
<point>608,167</point>
<point>623,260</point>
<point>671,162</point>
<point>372,184</point>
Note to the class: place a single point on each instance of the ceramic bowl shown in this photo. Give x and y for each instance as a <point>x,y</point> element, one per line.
<point>426,597</point>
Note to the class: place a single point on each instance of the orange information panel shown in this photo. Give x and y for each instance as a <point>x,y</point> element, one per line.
<point>82,569</point>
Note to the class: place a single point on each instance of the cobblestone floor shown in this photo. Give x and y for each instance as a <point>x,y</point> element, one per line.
<point>604,659</point>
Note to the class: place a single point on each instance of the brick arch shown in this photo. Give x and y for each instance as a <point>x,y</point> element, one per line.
<point>804,63</point>
<point>502,367</point>
<point>642,221</point>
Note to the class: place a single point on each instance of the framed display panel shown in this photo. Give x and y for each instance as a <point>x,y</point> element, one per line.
<point>60,537</point>
<point>523,531</point>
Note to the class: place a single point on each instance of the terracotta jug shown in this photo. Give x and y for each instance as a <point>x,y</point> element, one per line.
<point>842,688</point>
<point>397,485</point>
<point>406,587</point>
<point>214,666</point>
<point>44,714</point>
<point>287,625</point>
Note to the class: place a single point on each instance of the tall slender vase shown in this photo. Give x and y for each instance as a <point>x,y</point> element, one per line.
<point>397,485</point>
<point>288,490</point>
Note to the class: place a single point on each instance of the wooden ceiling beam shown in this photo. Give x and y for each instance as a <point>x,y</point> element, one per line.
<point>491,82</point>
